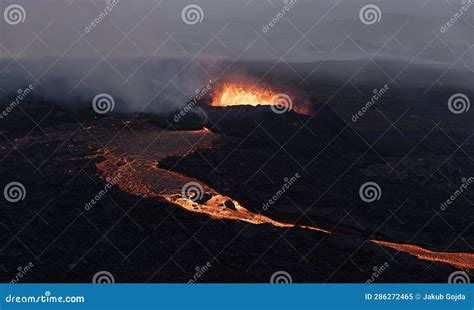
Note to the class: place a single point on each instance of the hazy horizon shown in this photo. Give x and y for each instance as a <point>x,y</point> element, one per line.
<point>134,48</point>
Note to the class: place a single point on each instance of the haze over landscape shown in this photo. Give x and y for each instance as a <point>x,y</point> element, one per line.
<point>58,46</point>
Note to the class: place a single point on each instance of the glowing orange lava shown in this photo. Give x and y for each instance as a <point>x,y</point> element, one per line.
<point>460,260</point>
<point>232,94</point>
<point>136,172</point>
<point>132,163</point>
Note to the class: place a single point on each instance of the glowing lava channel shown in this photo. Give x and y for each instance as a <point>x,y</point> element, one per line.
<point>464,261</point>
<point>133,162</point>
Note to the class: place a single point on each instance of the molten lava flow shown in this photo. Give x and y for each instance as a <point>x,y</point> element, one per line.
<point>135,171</point>
<point>238,94</point>
<point>216,209</point>
<point>132,162</point>
<point>460,260</point>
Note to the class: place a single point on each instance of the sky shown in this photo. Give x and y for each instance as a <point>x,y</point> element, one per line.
<point>228,28</point>
<point>138,46</point>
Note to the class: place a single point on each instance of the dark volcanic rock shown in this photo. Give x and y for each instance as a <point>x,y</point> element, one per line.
<point>229,204</point>
<point>305,133</point>
<point>244,120</point>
